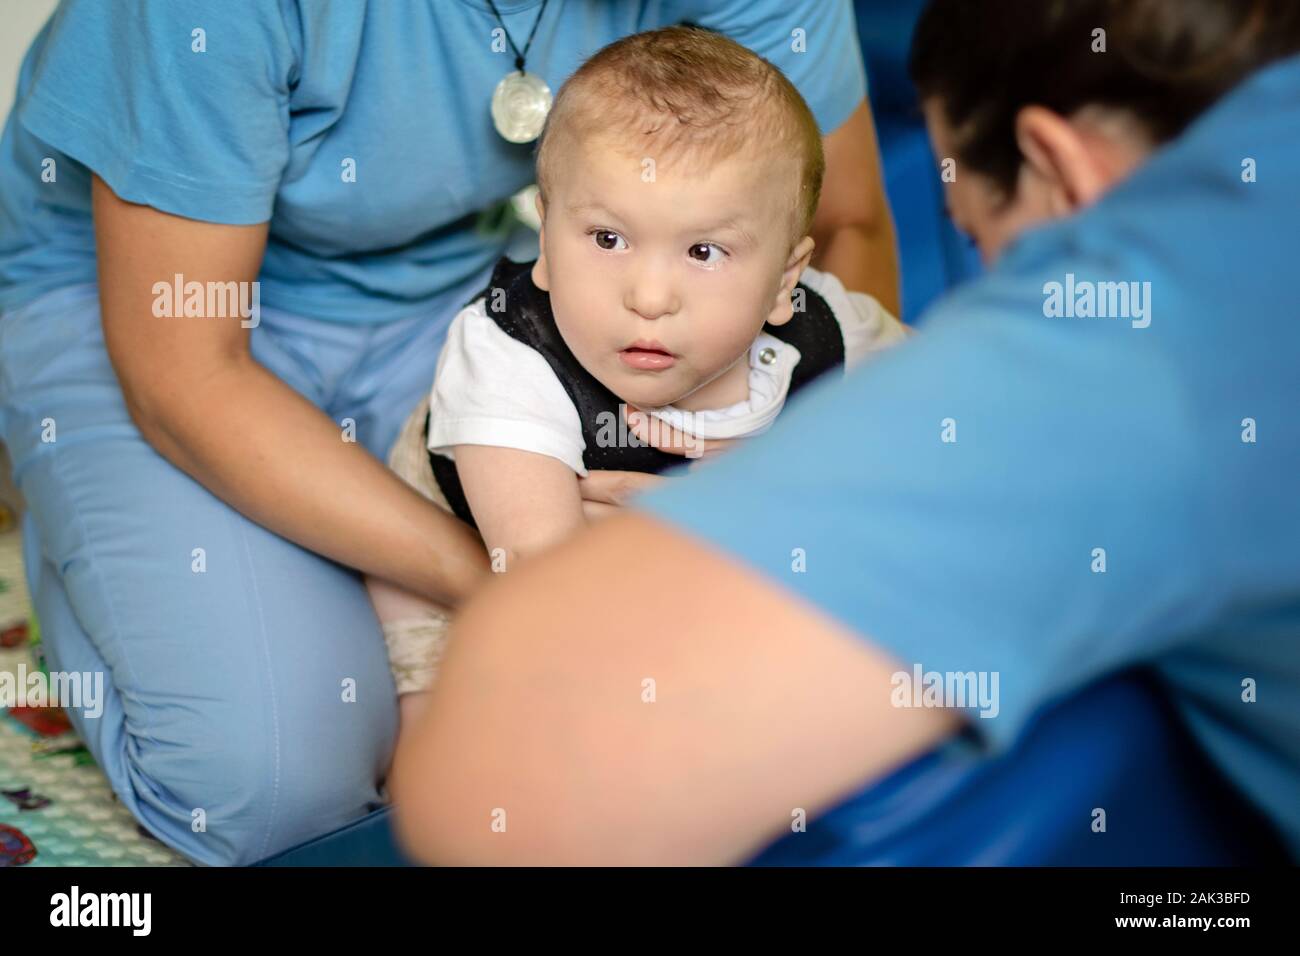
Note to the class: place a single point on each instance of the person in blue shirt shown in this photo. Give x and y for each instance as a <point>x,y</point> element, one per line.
<point>232,237</point>
<point>1085,461</point>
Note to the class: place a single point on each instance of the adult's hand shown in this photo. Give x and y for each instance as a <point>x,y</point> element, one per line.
<point>201,400</point>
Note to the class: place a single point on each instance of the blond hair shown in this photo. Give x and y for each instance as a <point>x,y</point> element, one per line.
<point>688,93</point>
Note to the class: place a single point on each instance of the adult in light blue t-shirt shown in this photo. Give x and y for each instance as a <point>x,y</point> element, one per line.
<point>1058,478</point>
<point>201,489</point>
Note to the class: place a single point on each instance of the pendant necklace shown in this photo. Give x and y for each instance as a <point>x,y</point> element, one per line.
<point>522,99</point>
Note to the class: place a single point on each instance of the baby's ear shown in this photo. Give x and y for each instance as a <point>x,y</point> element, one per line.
<point>541,275</point>
<point>541,278</point>
<point>800,256</point>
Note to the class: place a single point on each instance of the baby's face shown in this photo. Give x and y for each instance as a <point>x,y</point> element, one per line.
<point>660,281</point>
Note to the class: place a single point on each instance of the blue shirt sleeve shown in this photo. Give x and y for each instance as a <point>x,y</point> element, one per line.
<point>177,104</point>
<point>813,42</point>
<point>952,501</point>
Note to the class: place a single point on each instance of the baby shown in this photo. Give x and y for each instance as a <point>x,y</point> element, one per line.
<point>678,174</point>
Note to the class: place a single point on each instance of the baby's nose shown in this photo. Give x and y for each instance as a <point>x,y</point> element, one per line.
<point>651,297</point>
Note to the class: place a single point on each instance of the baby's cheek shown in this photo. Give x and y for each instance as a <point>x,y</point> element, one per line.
<point>576,330</point>
<point>727,340</point>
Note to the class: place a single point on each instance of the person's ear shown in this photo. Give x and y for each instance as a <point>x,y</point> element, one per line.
<point>1064,166</point>
<point>783,307</point>
<point>541,274</point>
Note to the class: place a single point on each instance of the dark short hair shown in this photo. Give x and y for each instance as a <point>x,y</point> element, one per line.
<point>1165,62</point>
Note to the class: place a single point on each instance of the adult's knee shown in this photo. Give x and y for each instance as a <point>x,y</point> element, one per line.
<point>236,793</point>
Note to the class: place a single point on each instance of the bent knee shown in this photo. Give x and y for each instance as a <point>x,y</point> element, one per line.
<point>256,793</point>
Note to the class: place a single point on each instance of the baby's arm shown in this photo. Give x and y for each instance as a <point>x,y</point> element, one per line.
<point>523,501</point>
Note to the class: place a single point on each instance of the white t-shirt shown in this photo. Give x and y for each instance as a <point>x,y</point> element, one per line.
<point>492,389</point>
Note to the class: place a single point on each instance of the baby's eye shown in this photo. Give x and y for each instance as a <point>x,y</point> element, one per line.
<point>701,252</point>
<point>607,239</point>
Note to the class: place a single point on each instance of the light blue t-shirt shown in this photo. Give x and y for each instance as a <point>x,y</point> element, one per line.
<point>241,111</point>
<point>1055,497</point>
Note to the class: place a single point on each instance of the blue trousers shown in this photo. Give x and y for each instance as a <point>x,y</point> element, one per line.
<point>248,701</point>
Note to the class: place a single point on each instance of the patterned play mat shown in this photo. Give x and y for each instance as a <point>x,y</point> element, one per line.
<point>56,807</point>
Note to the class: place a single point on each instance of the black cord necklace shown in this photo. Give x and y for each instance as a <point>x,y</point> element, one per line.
<point>521,99</point>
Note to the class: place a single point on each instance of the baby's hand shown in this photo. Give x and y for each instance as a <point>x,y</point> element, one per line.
<point>604,492</point>
<point>673,440</point>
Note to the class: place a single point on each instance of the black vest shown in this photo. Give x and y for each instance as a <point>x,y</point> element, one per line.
<point>526,316</point>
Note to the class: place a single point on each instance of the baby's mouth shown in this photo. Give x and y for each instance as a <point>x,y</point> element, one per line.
<point>647,356</point>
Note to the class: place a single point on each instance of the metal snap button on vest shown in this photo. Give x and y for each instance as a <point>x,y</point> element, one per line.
<point>767,355</point>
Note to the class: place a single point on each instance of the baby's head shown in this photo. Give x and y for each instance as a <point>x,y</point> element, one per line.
<point>678,176</point>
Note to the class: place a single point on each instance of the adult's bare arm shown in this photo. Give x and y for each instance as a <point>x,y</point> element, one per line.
<point>762,704</point>
<point>198,397</point>
<point>853,228</point>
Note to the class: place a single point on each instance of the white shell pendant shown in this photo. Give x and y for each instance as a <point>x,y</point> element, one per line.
<point>519,106</point>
